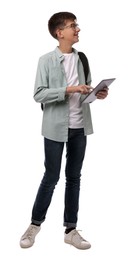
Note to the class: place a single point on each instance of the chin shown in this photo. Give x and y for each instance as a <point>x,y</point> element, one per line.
<point>77,40</point>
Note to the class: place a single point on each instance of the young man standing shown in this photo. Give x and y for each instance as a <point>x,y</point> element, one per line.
<point>60,85</point>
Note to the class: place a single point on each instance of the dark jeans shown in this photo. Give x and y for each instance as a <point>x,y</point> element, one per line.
<point>75,151</point>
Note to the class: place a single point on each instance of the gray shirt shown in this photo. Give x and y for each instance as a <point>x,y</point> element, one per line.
<point>50,89</point>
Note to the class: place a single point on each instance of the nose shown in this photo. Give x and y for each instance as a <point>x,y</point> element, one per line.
<point>78,29</point>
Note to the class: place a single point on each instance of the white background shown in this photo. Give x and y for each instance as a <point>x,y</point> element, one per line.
<point>105,204</point>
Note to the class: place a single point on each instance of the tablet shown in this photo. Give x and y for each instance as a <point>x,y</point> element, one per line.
<point>92,95</point>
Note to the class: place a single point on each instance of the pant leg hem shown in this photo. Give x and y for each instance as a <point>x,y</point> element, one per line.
<point>69,225</point>
<point>36,222</point>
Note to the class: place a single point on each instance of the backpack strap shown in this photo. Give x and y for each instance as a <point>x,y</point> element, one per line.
<point>85,63</point>
<point>42,106</point>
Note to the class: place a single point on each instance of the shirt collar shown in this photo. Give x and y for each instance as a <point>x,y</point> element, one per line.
<point>60,54</point>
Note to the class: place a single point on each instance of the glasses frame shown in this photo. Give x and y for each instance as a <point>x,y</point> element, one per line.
<point>73,26</point>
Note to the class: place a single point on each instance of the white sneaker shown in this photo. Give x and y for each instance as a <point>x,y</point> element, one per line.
<point>28,238</point>
<point>75,239</point>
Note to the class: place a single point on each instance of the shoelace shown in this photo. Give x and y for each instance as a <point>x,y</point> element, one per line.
<point>30,232</point>
<point>76,232</point>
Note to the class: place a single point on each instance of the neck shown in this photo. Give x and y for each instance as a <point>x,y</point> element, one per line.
<point>65,49</point>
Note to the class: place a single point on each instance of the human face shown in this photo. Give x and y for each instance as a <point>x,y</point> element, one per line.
<point>71,31</point>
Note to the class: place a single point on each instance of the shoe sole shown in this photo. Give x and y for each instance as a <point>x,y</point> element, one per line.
<point>24,246</point>
<point>72,244</point>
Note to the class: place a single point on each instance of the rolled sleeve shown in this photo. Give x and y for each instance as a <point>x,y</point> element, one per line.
<point>61,94</point>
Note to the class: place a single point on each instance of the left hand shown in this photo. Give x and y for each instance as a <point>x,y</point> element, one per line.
<point>102,93</point>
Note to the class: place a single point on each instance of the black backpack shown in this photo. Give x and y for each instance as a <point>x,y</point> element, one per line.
<point>85,63</point>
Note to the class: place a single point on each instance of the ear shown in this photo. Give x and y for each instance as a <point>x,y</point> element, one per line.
<point>59,33</point>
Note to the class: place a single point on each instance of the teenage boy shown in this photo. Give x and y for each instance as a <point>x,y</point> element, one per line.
<point>59,86</point>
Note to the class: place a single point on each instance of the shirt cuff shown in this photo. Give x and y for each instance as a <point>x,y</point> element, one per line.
<point>61,95</point>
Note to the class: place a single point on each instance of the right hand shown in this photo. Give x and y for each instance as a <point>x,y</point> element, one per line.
<point>83,89</point>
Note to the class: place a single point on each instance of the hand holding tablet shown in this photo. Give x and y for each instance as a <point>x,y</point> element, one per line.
<point>92,95</point>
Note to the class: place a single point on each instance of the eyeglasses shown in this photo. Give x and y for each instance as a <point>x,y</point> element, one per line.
<point>74,26</point>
